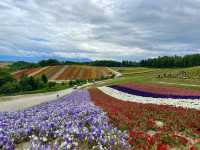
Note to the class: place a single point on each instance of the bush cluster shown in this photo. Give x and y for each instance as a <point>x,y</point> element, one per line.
<point>9,85</point>
<point>77,82</point>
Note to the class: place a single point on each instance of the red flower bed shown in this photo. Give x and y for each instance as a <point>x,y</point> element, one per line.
<point>162,89</point>
<point>149,125</point>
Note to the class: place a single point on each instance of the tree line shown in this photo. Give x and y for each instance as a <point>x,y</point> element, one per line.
<point>160,62</point>
<point>53,62</point>
<point>172,61</point>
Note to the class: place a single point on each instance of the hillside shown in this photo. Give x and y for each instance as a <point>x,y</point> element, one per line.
<point>64,72</point>
<point>4,64</point>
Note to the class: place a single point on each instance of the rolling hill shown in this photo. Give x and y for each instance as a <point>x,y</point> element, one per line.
<point>4,64</point>
<point>64,72</point>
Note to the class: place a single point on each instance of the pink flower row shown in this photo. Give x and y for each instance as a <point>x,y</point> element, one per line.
<point>154,88</point>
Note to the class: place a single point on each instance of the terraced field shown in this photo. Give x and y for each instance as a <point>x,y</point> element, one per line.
<point>66,72</point>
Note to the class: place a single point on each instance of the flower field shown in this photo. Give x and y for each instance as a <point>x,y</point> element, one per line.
<point>66,72</point>
<point>107,118</point>
<point>72,122</point>
<point>152,94</point>
<point>152,126</point>
<point>120,94</point>
<point>158,89</point>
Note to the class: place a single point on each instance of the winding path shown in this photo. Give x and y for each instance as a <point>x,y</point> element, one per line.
<point>15,103</point>
<point>117,74</point>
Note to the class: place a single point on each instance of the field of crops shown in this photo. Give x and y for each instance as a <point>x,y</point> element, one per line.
<point>126,116</point>
<point>66,72</point>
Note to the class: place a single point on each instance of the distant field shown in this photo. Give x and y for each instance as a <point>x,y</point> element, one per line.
<point>66,72</point>
<point>4,64</point>
<point>127,71</point>
<point>179,77</point>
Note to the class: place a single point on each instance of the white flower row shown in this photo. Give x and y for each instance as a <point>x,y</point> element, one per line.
<point>186,103</point>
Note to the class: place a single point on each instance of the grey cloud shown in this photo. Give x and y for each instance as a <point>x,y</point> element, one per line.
<point>134,28</point>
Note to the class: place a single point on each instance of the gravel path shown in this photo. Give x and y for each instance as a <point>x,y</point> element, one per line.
<point>14,103</point>
<point>117,74</point>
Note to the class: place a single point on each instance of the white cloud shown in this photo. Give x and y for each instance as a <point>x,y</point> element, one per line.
<point>99,29</point>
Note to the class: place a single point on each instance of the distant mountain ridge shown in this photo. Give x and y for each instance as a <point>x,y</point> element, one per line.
<point>7,58</point>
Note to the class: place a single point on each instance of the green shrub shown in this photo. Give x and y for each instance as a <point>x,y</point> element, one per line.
<point>5,77</point>
<point>29,83</point>
<point>77,82</point>
<point>44,78</point>
<point>9,87</point>
<point>51,84</point>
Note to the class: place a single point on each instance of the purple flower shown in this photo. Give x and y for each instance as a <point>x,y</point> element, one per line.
<point>69,121</point>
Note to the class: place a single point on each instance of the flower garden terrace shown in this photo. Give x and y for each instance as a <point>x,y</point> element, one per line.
<point>72,122</point>
<point>152,123</point>
<point>106,118</point>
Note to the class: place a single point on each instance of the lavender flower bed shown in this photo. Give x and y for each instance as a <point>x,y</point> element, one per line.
<point>61,124</point>
<point>150,94</point>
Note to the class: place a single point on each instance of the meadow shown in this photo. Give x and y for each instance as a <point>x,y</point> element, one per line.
<point>178,77</point>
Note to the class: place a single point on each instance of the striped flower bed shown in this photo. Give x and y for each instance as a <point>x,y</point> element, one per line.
<point>119,94</point>
<point>150,126</point>
<point>139,92</point>
<point>159,89</point>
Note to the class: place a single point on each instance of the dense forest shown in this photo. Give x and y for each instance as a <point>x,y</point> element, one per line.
<point>160,62</point>
<point>172,61</point>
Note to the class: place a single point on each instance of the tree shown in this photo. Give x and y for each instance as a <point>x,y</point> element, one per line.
<point>22,65</point>
<point>51,84</point>
<point>24,83</point>
<point>172,61</point>
<point>5,77</point>
<point>9,87</point>
<point>44,78</point>
<point>49,62</point>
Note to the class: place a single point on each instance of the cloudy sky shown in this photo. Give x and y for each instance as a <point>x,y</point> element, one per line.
<point>98,29</point>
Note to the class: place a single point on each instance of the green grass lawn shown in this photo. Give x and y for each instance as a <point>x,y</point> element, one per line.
<point>150,75</point>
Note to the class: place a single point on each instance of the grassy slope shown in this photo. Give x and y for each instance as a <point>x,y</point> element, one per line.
<point>149,75</point>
